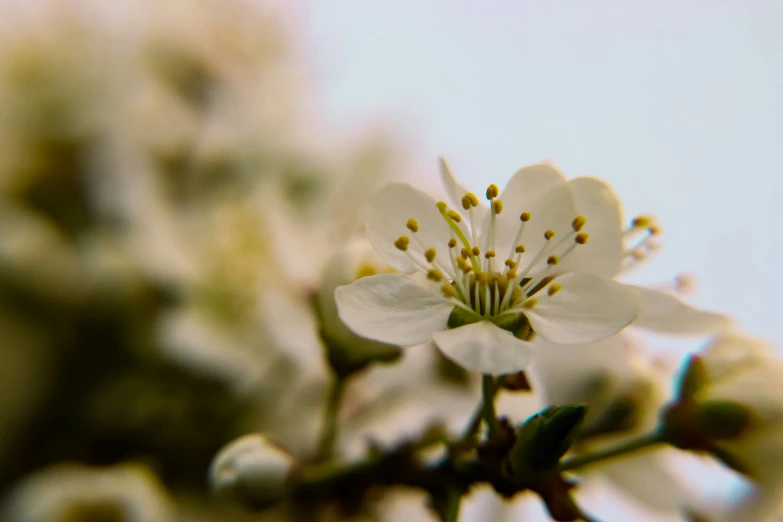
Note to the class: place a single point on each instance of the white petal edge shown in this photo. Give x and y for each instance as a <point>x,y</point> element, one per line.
<point>663,312</point>
<point>392,309</point>
<point>587,308</point>
<point>386,218</point>
<point>600,206</point>
<point>456,190</point>
<point>484,347</point>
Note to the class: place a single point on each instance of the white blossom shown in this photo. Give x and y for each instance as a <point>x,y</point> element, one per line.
<point>509,274</point>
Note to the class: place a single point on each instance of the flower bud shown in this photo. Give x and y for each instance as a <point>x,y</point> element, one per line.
<point>730,403</point>
<point>251,468</point>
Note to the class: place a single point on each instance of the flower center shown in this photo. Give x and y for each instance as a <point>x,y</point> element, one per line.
<point>472,275</point>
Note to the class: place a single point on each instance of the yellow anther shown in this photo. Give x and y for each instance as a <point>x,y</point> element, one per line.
<point>638,254</point>
<point>434,274</point>
<point>430,255</point>
<point>476,251</point>
<point>448,290</point>
<point>497,206</point>
<point>511,263</point>
<point>466,268</point>
<point>490,254</point>
<point>413,225</point>
<point>530,303</point>
<point>465,253</point>
<point>520,249</point>
<point>481,277</point>
<point>549,234</point>
<point>453,214</point>
<point>492,191</point>
<point>402,243</point>
<point>642,221</point>
<point>525,216</point>
<point>552,260</point>
<point>442,206</point>
<point>365,270</point>
<point>581,238</point>
<point>452,242</point>
<point>553,289</point>
<point>469,200</point>
<point>654,230</point>
<point>578,223</point>
<point>511,274</point>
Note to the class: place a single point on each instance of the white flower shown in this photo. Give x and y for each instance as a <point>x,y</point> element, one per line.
<point>67,493</point>
<point>730,403</point>
<point>252,467</point>
<point>520,268</point>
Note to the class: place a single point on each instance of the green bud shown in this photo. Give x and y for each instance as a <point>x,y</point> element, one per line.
<point>543,439</point>
<point>694,377</point>
<point>721,420</point>
<point>461,317</point>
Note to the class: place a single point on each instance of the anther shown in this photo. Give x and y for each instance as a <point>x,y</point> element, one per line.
<point>654,230</point>
<point>434,275</point>
<point>511,274</point>
<point>552,260</point>
<point>453,214</point>
<point>402,243</point>
<point>490,254</point>
<point>430,255</point>
<point>530,303</point>
<point>581,238</point>
<point>511,263</point>
<point>465,253</point>
<point>553,289</point>
<point>413,225</point>
<point>452,243</point>
<point>492,191</point>
<point>549,234</point>
<point>476,251</point>
<point>578,223</point>
<point>448,290</point>
<point>642,222</point>
<point>497,206</point>
<point>524,217</point>
<point>469,200</point>
<point>442,206</point>
<point>520,249</point>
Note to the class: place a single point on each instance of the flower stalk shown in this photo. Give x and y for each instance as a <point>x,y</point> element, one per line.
<point>329,432</point>
<point>630,446</point>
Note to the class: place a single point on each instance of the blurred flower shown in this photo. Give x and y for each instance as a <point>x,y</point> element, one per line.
<point>730,404</point>
<point>71,493</point>
<point>486,315</point>
<point>252,468</point>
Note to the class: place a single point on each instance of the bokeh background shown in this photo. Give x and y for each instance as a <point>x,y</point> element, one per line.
<point>175,175</point>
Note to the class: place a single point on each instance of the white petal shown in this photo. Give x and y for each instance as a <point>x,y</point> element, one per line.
<point>602,254</point>
<point>387,215</point>
<point>733,352</point>
<point>485,348</point>
<point>392,309</point>
<point>646,477</point>
<point>587,308</point>
<point>543,191</point>
<point>664,312</point>
<point>456,190</point>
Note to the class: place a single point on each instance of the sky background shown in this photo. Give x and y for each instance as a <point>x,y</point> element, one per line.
<point>678,105</point>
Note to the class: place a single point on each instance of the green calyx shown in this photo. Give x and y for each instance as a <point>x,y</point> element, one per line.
<point>513,323</point>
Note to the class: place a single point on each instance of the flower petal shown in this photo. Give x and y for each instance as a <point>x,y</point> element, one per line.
<point>456,190</point>
<point>664,312</point>
<point>387,215</point>
<point>603,253</point>
<point>587,308</point>
<point>484,347</point>
<point>392,309</point>
<point>543,191</point>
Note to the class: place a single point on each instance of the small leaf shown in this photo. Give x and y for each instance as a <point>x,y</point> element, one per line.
<point>720,420</point>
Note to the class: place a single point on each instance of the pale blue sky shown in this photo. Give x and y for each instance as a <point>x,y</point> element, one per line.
<point>679,105</point>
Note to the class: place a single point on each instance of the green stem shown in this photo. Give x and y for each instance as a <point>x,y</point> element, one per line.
<point>629,446</point>
<point>329,433</point>
<point>448,507</point>
<point>489,388</point>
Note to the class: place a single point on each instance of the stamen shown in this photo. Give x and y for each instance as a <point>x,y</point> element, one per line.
<point>553,289</point>
<point>492,191</point>
<point>476,251</point>
<point>549,234</point>
<point>520,249</point>
<point>642,221</point>
<point>525,217</point>
<point>447,290</point>
<point>433,274</point>
<point>453,214</point>
<point>469,200</point>
<point>529,304</point>
<point>581,238</point>
<point>552,260</point>
<point>452,243</point>
<point>490,254</point>
<point>402,243</point>
<point>496,308</point>
<point>511,264</point>
<point>497,206</point>
<point>578,223</point>
<point>429,254</point>
<point>413,225</point>
<point>443,208</point>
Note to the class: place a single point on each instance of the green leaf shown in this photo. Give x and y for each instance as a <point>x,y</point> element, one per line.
<point>720,419</point>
